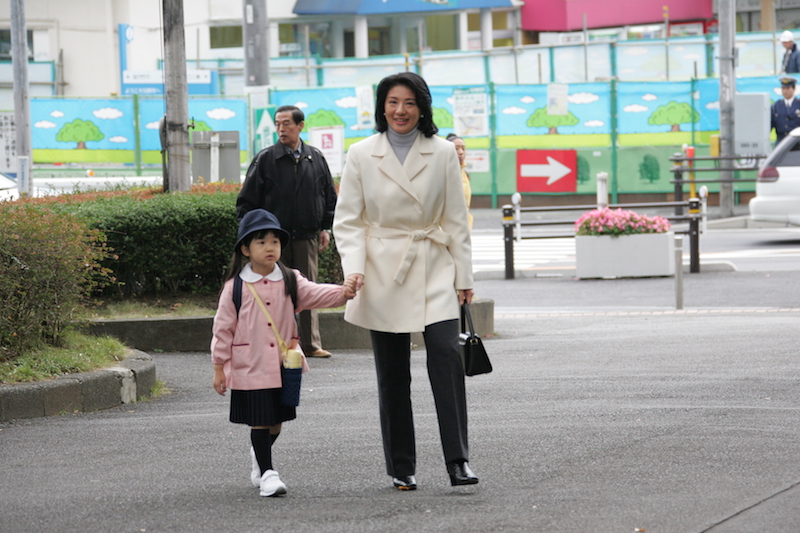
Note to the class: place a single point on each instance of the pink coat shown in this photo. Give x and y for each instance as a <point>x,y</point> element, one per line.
<point>246,345</point>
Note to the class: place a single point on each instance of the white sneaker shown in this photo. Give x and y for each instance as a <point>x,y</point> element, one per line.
<point>255,474</point>
<point>271,484</point>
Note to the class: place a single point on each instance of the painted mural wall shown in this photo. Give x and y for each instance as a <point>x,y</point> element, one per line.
<point>652,121</point>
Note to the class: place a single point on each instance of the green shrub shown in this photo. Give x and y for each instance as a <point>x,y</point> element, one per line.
<point>49,265</point>
<point>167,243</point>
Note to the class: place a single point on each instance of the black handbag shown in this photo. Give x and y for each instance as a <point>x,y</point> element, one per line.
<point>475,359</point>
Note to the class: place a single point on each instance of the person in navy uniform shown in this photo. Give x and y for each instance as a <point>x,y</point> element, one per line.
<point>785,113</point>
<point>791,58</point>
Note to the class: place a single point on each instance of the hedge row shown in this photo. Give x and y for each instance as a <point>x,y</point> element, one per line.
<point>49,266</point>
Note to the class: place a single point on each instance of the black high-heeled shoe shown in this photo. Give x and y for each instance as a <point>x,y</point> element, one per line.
<point>405,483</point>
<point>461,473</point>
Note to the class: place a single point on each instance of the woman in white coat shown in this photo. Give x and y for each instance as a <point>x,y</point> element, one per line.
<point>402,232</point>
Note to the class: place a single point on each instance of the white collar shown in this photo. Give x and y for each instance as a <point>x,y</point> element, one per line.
<point>789,101</point>
<point>247,274</point>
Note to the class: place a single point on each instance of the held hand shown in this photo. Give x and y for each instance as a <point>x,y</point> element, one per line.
<point>465,295</point>
<point>358,279</point>
<point>349,289</point>
<point>324,240</point>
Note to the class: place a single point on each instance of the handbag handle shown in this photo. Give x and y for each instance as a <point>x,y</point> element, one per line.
<point>465,314</point>
<point>281,344</point>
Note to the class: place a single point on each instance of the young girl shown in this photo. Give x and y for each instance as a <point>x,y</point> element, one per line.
<point>244,349</point>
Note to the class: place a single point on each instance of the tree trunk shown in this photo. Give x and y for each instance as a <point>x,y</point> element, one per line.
<point>81,145</point>
<point>676,127</point>
<point>553,131</point>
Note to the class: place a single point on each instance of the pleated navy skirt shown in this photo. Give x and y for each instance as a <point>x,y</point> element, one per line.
<point>261,407</point>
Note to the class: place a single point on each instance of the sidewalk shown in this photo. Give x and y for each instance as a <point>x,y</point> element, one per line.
<point>606,412</point>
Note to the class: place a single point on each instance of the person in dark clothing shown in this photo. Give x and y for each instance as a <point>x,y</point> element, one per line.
<point>791,58</point>
<point>785,113</point>
<point>292,180</point>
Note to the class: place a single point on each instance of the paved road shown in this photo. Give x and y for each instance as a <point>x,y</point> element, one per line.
<point>608,411</point>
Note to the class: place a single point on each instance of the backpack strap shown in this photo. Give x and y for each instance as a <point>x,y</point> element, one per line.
<point>237,293</point>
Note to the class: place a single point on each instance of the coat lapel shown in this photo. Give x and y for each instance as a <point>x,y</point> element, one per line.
<point>390,165</point>
<point>416,160</point>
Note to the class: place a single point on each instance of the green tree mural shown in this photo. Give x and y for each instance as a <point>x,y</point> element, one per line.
<point>323,118</point>
<point>649,169</point>
<point>674,114</point>
<point>540,119</point>
<point>79,131</point>
<point>442,118</point>
<point>583,169</point>
<point>201,125</point>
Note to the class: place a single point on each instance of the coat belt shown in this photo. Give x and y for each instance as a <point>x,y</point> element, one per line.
<point>413,238</point>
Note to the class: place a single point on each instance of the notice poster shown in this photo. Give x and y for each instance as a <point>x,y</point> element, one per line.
<point>330,141</point>
<point>365,108</point>
<point>471,112</point>
<point>8,143</point>
<point>557,103</point>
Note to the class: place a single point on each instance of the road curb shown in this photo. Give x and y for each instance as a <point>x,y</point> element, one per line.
<point>133,378</point>
<point>194,334</point>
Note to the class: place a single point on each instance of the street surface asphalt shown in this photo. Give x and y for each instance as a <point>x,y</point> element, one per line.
<point>608,411</point>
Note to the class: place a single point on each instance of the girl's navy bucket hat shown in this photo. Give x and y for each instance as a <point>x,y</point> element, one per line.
<point>258,220</point>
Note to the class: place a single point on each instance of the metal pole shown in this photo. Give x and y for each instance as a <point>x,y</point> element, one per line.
<point>508,239</point>
<point>678,171</point>
<point>256,42</point>
<point>177,98</point>
<point>602,190</point>
<point>678,272</point>
<point>585,51</point>
<point>694,236</point>
<point>19,58</point>
<point>727,90</point>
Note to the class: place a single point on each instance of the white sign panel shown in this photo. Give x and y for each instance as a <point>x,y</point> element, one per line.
<point>330,141</point>
<point>471,112</point>
<point>365,108</point>
<point>477,161</point>
<point>157,76</point>
<point>8,144</point>
<point>557,103</point>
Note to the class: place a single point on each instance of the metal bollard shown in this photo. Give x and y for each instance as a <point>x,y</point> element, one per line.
<point>678,171</point>
<point>694,235</point>
<point>678,271</point>
<point>508,239</point>
<point>602,190</point>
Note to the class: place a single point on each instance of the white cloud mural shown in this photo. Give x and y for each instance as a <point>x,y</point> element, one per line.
<point>44,124</point>
<point>107,113</point>
<point>594,124</point>
<point>649,97</point>
<point>221,113</point>
<point>582,98</point>
<point>635,108</point>
<point>513,110</point>
<point>301,105</point>
<point>152,125</point>
<point>527,99</point>
<point>56,114</point>
<point>713,105</point>
<point>118,139</point>
<point>347,102</point>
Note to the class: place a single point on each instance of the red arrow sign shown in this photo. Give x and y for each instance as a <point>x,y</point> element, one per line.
<point>547,170</point>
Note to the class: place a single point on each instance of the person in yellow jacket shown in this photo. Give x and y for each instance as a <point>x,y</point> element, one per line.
<point>461,150</point>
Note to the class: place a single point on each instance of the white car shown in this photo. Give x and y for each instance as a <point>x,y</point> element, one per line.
<point>778,186</point>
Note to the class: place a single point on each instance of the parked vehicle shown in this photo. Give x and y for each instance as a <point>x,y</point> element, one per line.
<point>778,187</point>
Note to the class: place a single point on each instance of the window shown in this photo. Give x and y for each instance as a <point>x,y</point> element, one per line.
<point>226,36</point>
<point>5,44</point>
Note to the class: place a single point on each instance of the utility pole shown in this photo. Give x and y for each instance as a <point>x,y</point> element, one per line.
<point>22,110</point>
<point>255,40</point>
<point>177,99</point>
<point>727,90</point>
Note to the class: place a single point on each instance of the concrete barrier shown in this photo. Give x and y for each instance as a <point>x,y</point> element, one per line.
<point>133,379</point>
<point>194,334</point>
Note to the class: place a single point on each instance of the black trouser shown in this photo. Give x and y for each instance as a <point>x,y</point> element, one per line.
<point>446,374</point>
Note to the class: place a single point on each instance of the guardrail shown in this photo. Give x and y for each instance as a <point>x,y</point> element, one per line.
<point>686,164</point>
<point>513,223</point>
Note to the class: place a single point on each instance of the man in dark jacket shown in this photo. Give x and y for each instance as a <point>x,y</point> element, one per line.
<point>791,58</point>
<point>785,113</point>
<point>292,180</point>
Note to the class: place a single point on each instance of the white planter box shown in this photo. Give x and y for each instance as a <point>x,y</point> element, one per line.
<point>626,256</point>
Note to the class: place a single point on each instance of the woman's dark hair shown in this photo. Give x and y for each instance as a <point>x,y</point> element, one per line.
<point>238,261</point>
<point>421,93</point>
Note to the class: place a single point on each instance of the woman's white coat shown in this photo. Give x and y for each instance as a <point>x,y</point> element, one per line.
<point>405,228</point>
